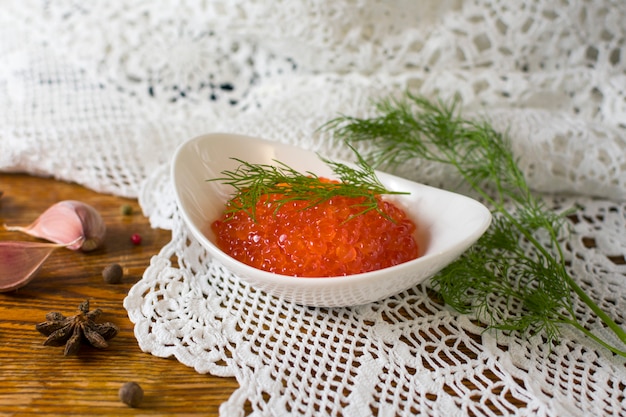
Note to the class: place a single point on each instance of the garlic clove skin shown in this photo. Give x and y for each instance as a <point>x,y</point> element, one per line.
<point>73,224</point>
<point>93,226</point>
<point>20,262</point>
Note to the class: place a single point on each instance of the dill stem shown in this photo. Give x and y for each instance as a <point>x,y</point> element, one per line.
<point>591,335</point>
<point>617,330</point>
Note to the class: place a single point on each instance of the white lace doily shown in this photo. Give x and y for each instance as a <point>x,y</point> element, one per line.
<point>102,93</point>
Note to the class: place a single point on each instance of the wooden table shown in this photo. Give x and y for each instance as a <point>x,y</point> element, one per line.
<point>37,379</point>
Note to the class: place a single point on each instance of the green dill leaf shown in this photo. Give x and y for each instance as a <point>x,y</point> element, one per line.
<point>509,279</point>
<point>252,182</point>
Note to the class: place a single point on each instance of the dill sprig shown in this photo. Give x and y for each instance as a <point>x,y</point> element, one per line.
<point>509,279</point>
<point>253,182</point>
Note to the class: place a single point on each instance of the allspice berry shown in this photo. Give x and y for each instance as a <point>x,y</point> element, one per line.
<point>131,394</point>
<point>112,274</point>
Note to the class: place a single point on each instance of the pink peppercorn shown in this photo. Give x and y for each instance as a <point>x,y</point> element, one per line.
<point>136,239</point>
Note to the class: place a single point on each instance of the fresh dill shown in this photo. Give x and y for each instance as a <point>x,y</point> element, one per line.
<point>507,285</point>
<point>254,182</point>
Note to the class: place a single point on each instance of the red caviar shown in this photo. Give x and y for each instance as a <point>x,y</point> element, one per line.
<point>318,241</point>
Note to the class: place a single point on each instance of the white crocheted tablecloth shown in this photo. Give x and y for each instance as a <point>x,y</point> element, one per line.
<point>101,93</point>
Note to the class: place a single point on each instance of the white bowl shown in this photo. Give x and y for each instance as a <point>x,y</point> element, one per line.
<point>447,223</point>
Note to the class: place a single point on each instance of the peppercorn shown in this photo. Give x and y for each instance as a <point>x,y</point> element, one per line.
<point>135,238</point>
<point>131,394</point>
<point>112,274</point>
<point>126,209</point>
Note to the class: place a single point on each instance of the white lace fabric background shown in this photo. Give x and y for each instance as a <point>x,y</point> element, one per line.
<point>101,93</point>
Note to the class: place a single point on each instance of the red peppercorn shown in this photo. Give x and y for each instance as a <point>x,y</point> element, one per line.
<point>136,239</point>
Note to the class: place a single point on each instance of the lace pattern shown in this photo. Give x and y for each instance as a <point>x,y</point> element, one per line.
<point>102,93</point>
<point>406,355</point>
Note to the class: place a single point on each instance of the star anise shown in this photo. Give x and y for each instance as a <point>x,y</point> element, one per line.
<point>74,330</point>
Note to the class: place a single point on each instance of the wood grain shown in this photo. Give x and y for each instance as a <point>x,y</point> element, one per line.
<point>35,379</point>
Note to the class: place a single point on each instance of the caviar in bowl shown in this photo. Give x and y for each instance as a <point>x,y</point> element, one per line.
<point>447,223</point>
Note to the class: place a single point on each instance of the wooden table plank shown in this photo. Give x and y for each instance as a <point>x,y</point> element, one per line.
<point>35,379</point>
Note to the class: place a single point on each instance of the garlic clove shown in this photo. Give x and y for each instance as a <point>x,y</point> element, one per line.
<point>20,262</point>
<point>73,224</point>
